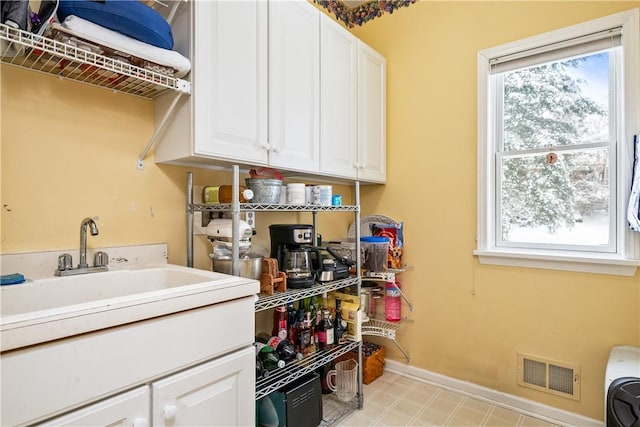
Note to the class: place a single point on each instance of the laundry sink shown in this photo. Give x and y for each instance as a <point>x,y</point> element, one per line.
<point>56,307</point>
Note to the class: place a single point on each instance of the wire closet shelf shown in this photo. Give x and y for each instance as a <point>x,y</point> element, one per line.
<point>42,54</point>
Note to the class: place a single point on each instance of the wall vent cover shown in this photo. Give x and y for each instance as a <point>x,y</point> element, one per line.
<point>549,376</point>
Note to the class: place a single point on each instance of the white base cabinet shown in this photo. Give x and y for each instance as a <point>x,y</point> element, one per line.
<point>198,365</point>
<point>211,394</point>
<point>130,409</point>
<point>208,394</point>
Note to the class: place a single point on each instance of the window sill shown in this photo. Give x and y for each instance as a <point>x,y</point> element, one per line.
<point>557,260</point>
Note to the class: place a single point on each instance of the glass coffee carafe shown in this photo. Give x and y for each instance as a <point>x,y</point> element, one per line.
<point>298,265</point>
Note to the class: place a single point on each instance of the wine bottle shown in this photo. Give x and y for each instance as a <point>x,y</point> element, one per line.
<point>291,320</point>
<point>307,343</point>
<point>325,331</point>
<point>298,327</point>
<point>339,324</point>
<point>316,328</point>
<point>269,358</point>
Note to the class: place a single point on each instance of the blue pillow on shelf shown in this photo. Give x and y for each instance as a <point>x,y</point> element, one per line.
<point>129,17</point>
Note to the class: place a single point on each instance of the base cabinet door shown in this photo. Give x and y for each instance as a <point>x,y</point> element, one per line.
<point>217,393</point>
<point>130,409</point>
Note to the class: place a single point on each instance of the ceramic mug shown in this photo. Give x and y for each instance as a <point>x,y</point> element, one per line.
<point>343,380</point>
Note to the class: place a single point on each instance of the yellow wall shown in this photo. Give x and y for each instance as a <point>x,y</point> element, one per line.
<point>69,151</point>
<point>472,319</point>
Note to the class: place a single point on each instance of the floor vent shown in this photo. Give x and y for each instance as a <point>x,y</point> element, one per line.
<point>550,376</point>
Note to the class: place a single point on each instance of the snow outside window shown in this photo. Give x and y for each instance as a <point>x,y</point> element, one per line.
<point>556,119</point>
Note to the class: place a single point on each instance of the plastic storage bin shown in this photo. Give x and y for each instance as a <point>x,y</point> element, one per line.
<point>376,249</point>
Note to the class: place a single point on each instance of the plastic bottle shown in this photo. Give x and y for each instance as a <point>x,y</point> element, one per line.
<point>261,372</point>
<point>392,302</point>
<point>284,349</point>
<point>224,194</point>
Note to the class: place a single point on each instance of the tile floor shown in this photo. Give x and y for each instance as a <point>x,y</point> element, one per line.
<point>397,400</point>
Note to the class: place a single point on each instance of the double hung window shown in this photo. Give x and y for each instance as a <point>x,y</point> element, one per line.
<point>556,119</point>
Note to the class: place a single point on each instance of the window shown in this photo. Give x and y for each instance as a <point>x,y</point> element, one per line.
<point>556,119</point>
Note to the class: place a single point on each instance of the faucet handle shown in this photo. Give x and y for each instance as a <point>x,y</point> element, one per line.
<point>100,259</point>
<point>65,262</point>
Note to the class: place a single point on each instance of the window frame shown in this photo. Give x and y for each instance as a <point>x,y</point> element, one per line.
<point>625,258</point>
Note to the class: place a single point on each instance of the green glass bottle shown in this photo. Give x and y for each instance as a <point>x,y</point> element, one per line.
<point>269,358</point>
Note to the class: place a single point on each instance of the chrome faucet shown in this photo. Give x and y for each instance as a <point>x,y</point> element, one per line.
<point>83,239</point>
<point>101,259</point>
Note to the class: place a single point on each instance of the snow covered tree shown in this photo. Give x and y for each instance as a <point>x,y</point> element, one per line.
<point>544,107</point>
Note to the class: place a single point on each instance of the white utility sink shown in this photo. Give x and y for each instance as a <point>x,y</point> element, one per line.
<point>57,307</point>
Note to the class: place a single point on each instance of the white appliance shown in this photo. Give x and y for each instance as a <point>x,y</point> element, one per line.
<point>220,234</point>
<point>622,387</point>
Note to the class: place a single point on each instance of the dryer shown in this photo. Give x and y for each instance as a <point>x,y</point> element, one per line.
<point>622,387</point>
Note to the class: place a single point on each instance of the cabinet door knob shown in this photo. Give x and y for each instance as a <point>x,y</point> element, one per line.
<point>141,422</point>
<point>170,412</point>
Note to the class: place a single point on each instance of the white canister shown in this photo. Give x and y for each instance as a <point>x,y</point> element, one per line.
<point>322,195</point>
<point>295,194</point>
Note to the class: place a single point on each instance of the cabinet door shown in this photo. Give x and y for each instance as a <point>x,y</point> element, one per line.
<point>230,80</point>
<point>372,145</point>
<point>217,393</point>
<point>129,409</point>
<point>294,84</point>
<point>338,99</point>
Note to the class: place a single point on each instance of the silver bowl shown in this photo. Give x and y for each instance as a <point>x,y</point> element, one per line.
<point>249,266</point>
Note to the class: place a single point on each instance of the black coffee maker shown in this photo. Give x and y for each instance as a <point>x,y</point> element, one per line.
<point>292,246</point>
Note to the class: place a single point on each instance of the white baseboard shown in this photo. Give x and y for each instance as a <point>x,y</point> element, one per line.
<point>529,407</point>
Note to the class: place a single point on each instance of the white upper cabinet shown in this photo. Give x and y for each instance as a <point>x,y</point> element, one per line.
<point>353,106</point>
<point>372,116</point>
<point>294,85</point>
<point>339,100</point>
<point>231,79</point>
<point>275,83</point>
<point>226,115</point>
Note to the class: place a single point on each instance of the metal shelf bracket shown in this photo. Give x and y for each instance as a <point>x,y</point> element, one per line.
<point>159,129</point>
